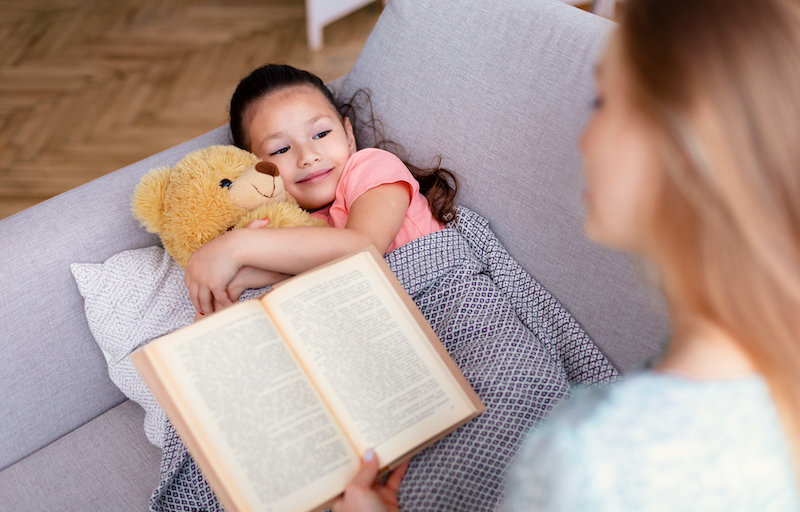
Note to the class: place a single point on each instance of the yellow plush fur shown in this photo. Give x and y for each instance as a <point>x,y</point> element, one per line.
<point>191,203</point>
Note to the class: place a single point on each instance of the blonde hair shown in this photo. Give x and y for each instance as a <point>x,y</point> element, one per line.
<point>721,81</point>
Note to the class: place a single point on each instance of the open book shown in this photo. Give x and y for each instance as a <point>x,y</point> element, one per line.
<point>278,398</point>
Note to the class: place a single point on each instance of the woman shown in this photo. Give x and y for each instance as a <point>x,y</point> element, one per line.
<point>692,160</point>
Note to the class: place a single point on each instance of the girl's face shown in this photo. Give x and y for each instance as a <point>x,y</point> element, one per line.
<point>298,130</point>
<point>621,162</point>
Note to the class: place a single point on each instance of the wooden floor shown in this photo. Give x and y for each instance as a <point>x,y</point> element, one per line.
<point>89,86</point>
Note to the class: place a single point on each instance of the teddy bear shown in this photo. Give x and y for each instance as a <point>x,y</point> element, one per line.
<point>209,192</point>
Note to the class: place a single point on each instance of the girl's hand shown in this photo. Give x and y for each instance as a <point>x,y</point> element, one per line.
<point>366,494</point>
<point>199,316</point>
<point>209,271</point>
<point>257,224</point>
<point>252,277</point>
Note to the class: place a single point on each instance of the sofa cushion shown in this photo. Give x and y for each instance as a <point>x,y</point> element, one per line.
<point>54,376</point>
<point>106,464</point>
<point>501,90</point>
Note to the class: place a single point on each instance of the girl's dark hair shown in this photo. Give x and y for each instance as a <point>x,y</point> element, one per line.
<point>261,82</point>
<point>437,184</point>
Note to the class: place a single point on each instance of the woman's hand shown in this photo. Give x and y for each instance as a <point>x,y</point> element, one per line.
<point>366,494</point>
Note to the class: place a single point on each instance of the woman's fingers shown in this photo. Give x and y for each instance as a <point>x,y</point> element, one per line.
<point>368,472</point>
<point>396,477</point>
<point>388,491</point>
<point>359,495</point>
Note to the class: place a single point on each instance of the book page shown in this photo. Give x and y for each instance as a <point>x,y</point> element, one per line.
<point>368,357</point>
<point>279,442</point>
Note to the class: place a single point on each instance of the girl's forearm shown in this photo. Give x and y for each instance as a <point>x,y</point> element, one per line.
<point>375,217</point>
<point>294,250</point>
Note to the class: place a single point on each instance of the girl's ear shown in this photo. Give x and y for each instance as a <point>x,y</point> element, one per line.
<point>351,140</point>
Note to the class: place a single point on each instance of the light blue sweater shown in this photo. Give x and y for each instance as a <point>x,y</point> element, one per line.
<point>658,442</point>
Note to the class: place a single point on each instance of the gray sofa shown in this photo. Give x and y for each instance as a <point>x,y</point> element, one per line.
<point>500,89</point>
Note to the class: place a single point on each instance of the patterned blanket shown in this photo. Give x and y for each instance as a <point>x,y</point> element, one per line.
<point>517,346</point>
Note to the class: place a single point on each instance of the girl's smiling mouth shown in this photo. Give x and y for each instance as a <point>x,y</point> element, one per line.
<point>315,177</point>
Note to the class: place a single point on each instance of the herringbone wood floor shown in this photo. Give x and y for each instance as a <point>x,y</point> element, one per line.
<point>89,86</point>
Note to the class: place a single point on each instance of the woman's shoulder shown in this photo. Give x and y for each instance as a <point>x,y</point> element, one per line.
<point>659,436</point>
<point>642,394</point>
<point>650,407</point>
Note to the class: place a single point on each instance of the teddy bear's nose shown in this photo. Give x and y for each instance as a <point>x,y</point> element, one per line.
<point>267,168</point>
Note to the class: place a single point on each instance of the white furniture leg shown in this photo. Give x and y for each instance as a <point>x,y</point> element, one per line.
<point>604,8</point>
<point>323,12</point>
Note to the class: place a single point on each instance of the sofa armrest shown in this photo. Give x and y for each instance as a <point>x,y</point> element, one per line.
<point>54,376</point>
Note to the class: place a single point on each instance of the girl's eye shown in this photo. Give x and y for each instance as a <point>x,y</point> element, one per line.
<point>322,134</point>
<point>280,151</point>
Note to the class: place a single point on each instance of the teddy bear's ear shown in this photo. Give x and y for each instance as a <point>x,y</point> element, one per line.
<point>148,199</point>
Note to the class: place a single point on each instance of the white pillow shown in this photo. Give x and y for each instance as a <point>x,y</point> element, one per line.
<point>134,297</point>
<point>131,299</point>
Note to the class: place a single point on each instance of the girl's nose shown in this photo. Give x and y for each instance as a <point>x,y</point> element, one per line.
<point>309,156</point>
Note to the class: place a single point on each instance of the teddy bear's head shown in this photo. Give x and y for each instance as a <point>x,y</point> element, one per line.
<point>210,191</point>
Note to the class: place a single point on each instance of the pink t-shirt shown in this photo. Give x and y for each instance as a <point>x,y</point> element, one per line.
<point>367,169</point>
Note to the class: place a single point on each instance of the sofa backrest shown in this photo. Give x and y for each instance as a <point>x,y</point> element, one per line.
<point>502,90</point>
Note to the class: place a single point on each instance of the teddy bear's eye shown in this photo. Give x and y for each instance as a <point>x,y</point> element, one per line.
<point>226,183</point>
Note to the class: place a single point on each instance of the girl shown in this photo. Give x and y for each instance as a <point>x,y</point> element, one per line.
<point>289,117</point>
<point>692,162</point>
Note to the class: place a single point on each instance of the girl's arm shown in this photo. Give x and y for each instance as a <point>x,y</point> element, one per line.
<point>375,218</point>
<point>251,277</point>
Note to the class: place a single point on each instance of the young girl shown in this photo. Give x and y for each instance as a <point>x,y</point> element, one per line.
<point>692,162</point>
<point>289,117</point>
